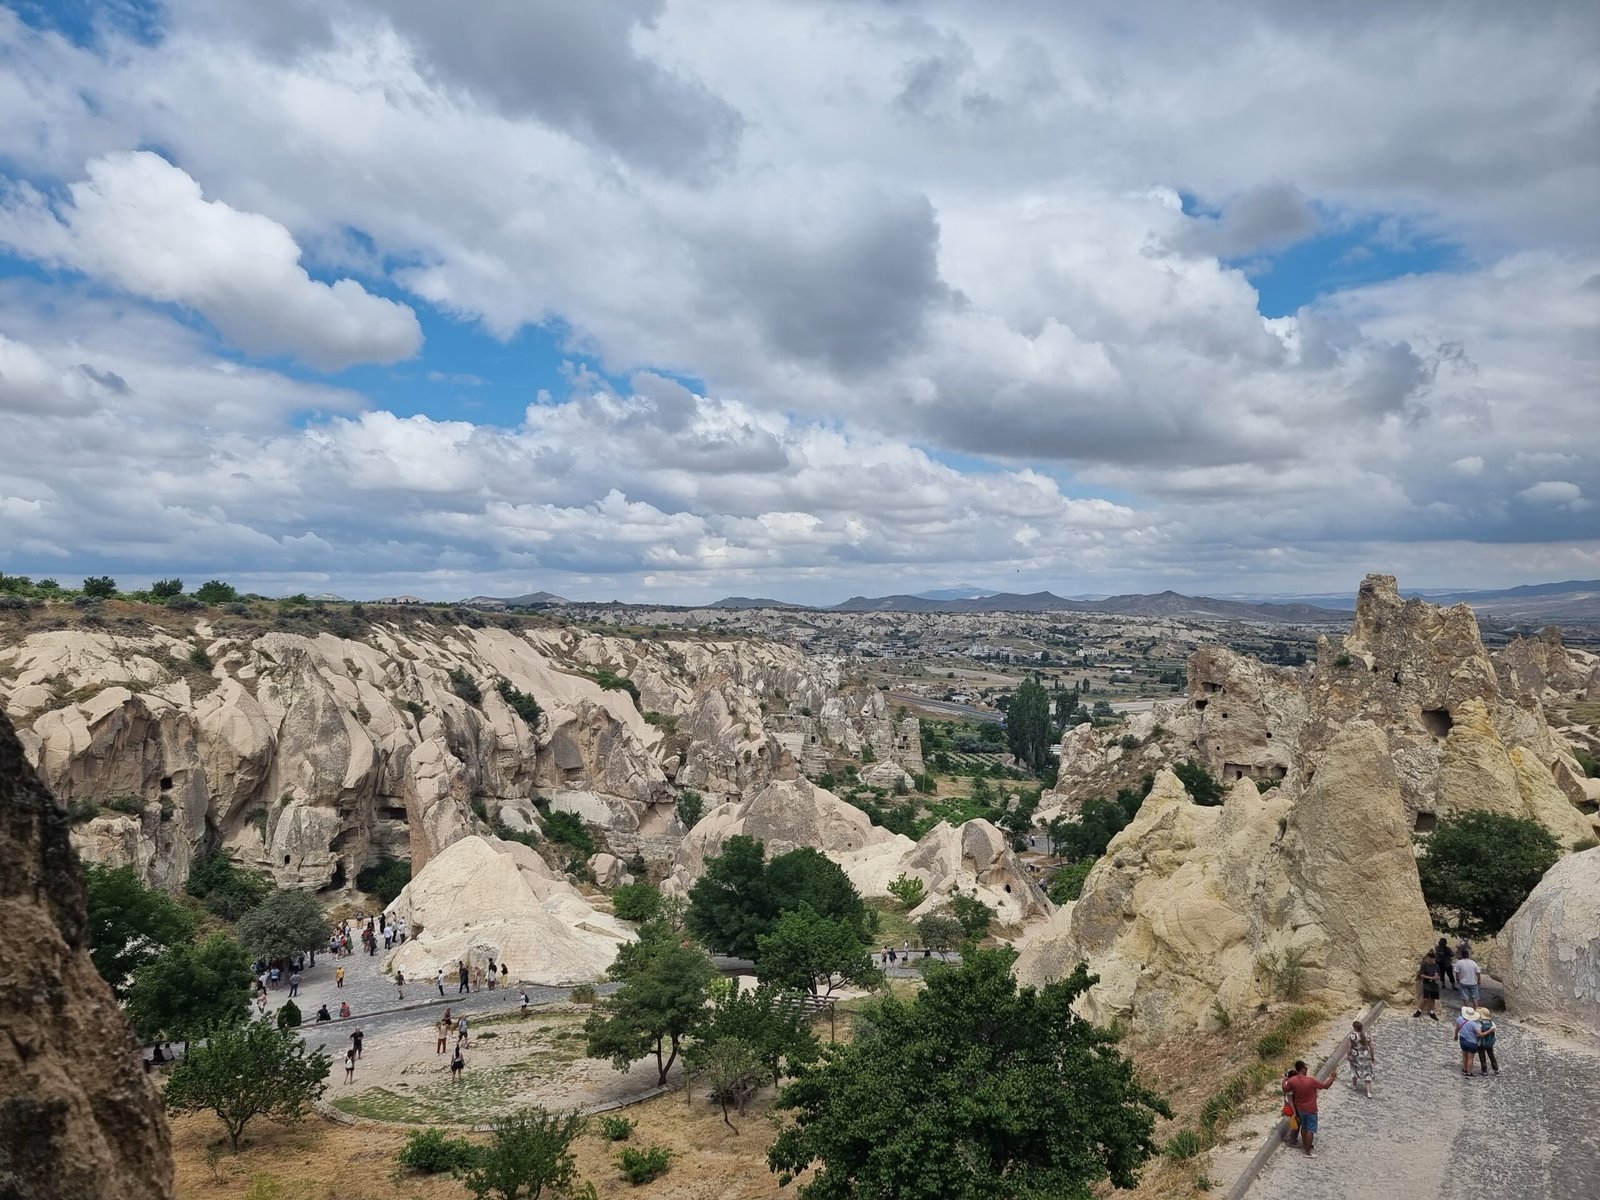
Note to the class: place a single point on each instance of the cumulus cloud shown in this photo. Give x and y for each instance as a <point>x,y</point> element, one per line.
<point>142,224</point>
<point>1268,216</point>
<point>1556,493</point>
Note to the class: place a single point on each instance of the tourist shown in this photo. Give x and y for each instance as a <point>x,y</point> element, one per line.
<point>1445,957</point>
<point>442,1029</point>
<point>338,977</point>
<point>294,985</point>
<point>1463,949</point>
<point>261,1004</point>
<point>344,1010</point>
<point>1302,1089</point>
<point>477,978</point>
<point>438,980</point>
<point>399,930</point>
<point>1468,975</point>
<point>458,1063</point>
<point>463,975</point>
<point>349,1066</point>
<point>388,938</point>
<point>1467,1036</point>
<point>1486,1035</point>
<point>323,1014</point>
<point>461,1031</point>
<point>356,1039</point>
<point>400,982</point>
<point>493,975</point>
<point>1428,977</point>
<point>505,975</point>
<point>523,1007</point>
<point>1362,1057</point>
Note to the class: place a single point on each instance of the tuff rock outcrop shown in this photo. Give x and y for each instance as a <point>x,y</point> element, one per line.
<point>1548,955</point>
<point>1190,902</point>
<point>79,1120</point>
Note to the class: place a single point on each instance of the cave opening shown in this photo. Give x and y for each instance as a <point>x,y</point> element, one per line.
<point>1437,721</point>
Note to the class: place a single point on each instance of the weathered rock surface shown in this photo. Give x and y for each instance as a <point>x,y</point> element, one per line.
<point>79,1120</point>
<point>1548,955</point>
<point>483,899</point>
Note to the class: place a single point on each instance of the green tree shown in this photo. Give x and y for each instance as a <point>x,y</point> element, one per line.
<point>690,807</point>
<point>248,1071</point>
<point>731,904</point>
<point>286,923</point>
<point>805,875</point>
<point>1028,725</point>
<point>524,705</point>
<point>661,1002</point>
<point>732,1069</point>
<point>227,890</point>
<point>567,829</point>
<point>813,953</point>
<point>385,879</point>
<point>1018,822</point>
<point>129,923</point>
<point>214,591</point>
<point>973,915</point>
<point>1203,787</point>
<point>770,1020</point>
<point>975,1088</point>
<point>1067,883</point>
<point>1066,708</point>
<point>101,586</point>
<point>939,933</point>
<point>1478,867</point>
<point>191,988</point>
<point>909,890</point>
<point>636,901</point>
<point>530,1151</point>
<point>1055,830</point>
<point>166,589</point>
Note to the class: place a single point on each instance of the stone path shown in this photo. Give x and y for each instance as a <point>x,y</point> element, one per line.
<point>1428,1133</point>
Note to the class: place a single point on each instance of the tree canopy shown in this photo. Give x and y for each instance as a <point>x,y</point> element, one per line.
<point>530,1151</point>
<point>1028,725</point>
<point>665,982</point>
<point>248,1071</point>
<point>975,1088</point>
<point>740,896</point>
<point>228,890</point>
<point>190,989</point>
<point>284,924</point>
<point>1478,867</point>
<point>813,953</point>
<point>129,923</point>
<point>771,1021</point>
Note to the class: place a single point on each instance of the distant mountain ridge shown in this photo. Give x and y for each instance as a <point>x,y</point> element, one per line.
<point>531,600</point>
<point>1161,604</point>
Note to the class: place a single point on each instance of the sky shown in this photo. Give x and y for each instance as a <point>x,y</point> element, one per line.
<point>662,301</point>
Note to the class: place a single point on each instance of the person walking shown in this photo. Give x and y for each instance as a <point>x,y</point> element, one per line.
<point>505,975</point>
<point>349,1066</point>
<point>458,1063</point>
<point>338,976</point>
<point>1467,1037</point>
<point>356,1039</point>
<point>1445,957</point>
<point>438,980</point>
<point>1428,977</point>
<point>400,982</point>
<point>294,985</point>
<point>442,1029</point>
<point>1302,1089</point>
<point>463,975</point>
<point>461,1032</point>
<point>1468,976</point>
<point>1486,1035</point>
<point>1363,1056</point>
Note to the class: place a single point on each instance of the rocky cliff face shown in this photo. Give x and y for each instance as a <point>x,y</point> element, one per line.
<point>309,755</point>
<point>1549,953</point>
<point>79,1120</point>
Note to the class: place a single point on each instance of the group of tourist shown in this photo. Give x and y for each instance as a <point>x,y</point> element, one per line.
<point>371,930</point>
<point>1442,966</point>
<point>475,978</point>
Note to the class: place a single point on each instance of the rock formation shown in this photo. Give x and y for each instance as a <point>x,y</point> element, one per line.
<point>482,899</point>
<point>79,1120</point>
<point>1548,955</point>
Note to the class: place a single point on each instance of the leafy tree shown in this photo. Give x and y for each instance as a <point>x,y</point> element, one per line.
<point>190,988</point>
<point>1018,822</point>
<point>530,1151</point>
<point>385,879</point>
<point>690,807</point>
<point>740,896</point>
<point>661,1002</point>
<point>284,924</point>
<point>814,953</point>
<point>1028,724</point>
<point>1203,787</point>
<point>248,1071</point>
<point>732,1069</point>
<point>214,591</point>
<point>1478,867</point>
<point>1055,831</point>
<point>807,876</point>
<point>975,1088</point>
<point>771,1021</point>
<point>567,829</point>
<point>101,586</point>
<point>1066,708</point>
<point>129,923</point>
<point>1067,883</point>
<point>227,890</point>
<point>939,933</point>
<point>166,589</point>
<point>973,915</point>
<point>909,890</point>
<point>636,901</point>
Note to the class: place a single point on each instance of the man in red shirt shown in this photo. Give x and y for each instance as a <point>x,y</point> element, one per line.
<point>1302,1089</point>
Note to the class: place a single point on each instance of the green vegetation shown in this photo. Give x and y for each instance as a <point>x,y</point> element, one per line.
<point>909,890</point>
<point>610,681</point>
<point>1067,883</point>
<point>529,1152</point>
<point>972,914</point>
<point>248,1071</point>
<point>617,1129</point>
<point>1478,867</point>
<point>636,901</point>
<point>199,659</point>
<point>939,933</point>
<point>1028,725</point>
<point>740,896</point>
<point>660,1004</point>
<point>385,879</point>
<point>691,806</point>
<point>166,589</point>
<point>524,705</point>
<point>284,924</point>
<point>1098,822</point>
<point>809,952</point>
<point>642,1166</point>
<point>190,990</point>
<point>431,1152</point>
<point>767,1020</point>
<point>567,829</point>
<point>464,685</point>
<point>1020,1096</point>
<point>100,586</point>
<point>227,890</point>
<point>130,924</point>
<point>1285,972</point>
<point>1591,766</point>
<point>214,591</point>
<point>731,1068</point>
<point>1202,786</point>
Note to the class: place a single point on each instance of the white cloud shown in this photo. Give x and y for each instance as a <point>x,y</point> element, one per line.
<point>1556,493</point>
<point>142,225</point>
<point>1468,464</point>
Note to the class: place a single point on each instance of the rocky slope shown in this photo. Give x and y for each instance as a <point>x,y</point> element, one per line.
<point>79,1120</point>
<point>310,754</point>
<point>1549,952</point>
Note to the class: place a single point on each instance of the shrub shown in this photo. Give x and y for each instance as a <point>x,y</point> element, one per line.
<point>227,890</point>
<point>1591,766</point>
<point>1285,972</point>
<point>1183,1145</point>
<point>430,1152</point>
<point>385,878</point>
<point>1220,1015</point>
<point>909,890</point>
<point>584,993</point>
<point>530,1155</point>
<point>636,901</point>
<point>465,686</point>
<point>1478,868</point>
<point>289,1016</point>
<point>617,1129</point>
<point>199,659</point>
<point>100,587</point>
<point>1067,883</point>
<point>214,591</point>
<point>524,705</point>
<point>567,829</point>
<point>1202,786</point>
<point>1271,1045</point>
<point>641,1166</point>
<point>166,589</point>
<point>691,805</point>
<point>1128,742</point>
<point>610,681</point>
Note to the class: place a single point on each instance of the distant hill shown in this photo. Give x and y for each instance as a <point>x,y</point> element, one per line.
<point>531,600</point>
<point>1162,604</point>
<point>955,593</point>
<point>752,602</point>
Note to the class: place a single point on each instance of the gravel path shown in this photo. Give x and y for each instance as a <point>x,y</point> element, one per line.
<point>1428,1133</point>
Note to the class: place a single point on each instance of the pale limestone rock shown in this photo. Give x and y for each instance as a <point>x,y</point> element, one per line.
<point>975,859</point>
<point>482,899</point>
<point>1248,715</point>
<point>608,870</point>
<point>1548,955</point>
<point>888,775</point>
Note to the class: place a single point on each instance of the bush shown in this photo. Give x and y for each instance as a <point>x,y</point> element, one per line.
<point>214,591</point>
<point>1183,1145</point>
<point>227,890</point>
<point>289,1016</point>
<point>1067,883</point>
<point>430,1152</point>
<point>1478,868</point>
<point>641,1166</point>
<point>584,993</point>
<point>636,901</point>
<point>465,686</point>
<point>1285,972</point>
<point>199,659</point>
<point>1591,767</point>
<point>909,890</point>
<point>524,705</point>
<point>531,1151</point>
<point>101,587</point>
<point>610,681</point>
<point>166,589</point>
<point>691,805</point>
<point>385,878</point>
<point>567,829</point>
<point>1202,786</point>
<point>617,1129</point>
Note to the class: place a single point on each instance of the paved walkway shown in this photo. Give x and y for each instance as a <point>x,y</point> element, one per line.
<point>1428,1133</point>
